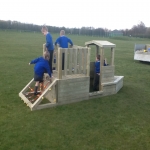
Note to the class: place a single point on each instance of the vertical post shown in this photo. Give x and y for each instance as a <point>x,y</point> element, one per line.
<point>75,60</point>
<point>66,62</point>
<point>80,59</point>
<point>88,62</point>
<point>70,61</point>
<point>84,59</point>
<point>44,47</point>
<point>112,56</point>
<point>101,65</point>
<point>59,64</point>
<point>56,50</point>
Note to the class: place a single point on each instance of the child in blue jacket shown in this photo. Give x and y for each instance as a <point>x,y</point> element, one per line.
<point>41,65</point>
<point>63,43</point>
<point>97,72</point>
<point>49,45</point>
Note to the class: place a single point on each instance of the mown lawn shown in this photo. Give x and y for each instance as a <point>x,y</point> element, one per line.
<point>116,122</point>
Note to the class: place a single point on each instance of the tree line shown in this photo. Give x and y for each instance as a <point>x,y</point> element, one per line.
<point>139,30</point>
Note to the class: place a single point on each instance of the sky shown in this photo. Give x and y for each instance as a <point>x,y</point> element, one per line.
<point>110,14</point>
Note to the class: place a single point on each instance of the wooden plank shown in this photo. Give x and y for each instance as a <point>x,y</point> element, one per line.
<point>26,87</point>
<point>106,75</point>
<point>51,95</point>
<point>100,43</point>
<point>25,100</point>
<point>71,96</point>
<point>66,62</point>
<point>56,59</point>
<point>109,79</point>
<point>119,85</point>
<point>74,80</point>
<point>80,60</point>
<point>78,85</point>
<point>73,89</point>
<point>62,84</point>
<point>101,70</point>
<point>70,61</point>
<point>75,60</point>
<point>43,106</point>
<point>109,89</point>
<point>66,101</point>
<point>88,62</point>
<point>92,69</point>
<point>84,60</point>
<point>105,68</point>
<point>112,56</point>
<point>44,47</point>
<point>108,71</point>
<point>59,63</point>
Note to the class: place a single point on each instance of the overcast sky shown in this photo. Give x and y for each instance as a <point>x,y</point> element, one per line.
<point>110,14</point>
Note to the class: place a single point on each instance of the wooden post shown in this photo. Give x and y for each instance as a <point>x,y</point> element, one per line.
<point>80,59</point>
<point>88,62</point>
<point>112,56</point>
<point>84,59</point>
<point>75,60</point>
<point>66,62</point>
<point>59,64</point>
<point>44,47</point>
<point>101,64</point>
<point>70,61</point>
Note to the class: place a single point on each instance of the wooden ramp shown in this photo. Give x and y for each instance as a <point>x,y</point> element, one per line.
<point>46,97</point>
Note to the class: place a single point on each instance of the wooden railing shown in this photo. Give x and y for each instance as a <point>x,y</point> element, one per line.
<point>76,60</point>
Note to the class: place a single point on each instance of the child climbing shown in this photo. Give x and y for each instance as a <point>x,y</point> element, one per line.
<point>41,66</point>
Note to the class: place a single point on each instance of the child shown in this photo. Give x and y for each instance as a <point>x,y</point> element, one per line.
<point>63,40</point>
<point>41,65</point>
<point>63,43</point>
<point>49,45</point>
<point>97,72</point>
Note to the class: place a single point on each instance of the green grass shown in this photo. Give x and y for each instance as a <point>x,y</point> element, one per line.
<point>116,122</point>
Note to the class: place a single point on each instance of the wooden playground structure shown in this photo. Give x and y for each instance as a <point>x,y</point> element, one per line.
<point>73,83</point>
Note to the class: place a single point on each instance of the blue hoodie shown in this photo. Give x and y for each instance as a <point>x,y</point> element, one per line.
<point>97,66</point>
<point>63,41</point>
<point>49,42</point>
<point>41,66</point>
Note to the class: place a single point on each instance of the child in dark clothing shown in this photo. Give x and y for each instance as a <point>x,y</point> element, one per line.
<point>41,65</point>
<point>97,73</point>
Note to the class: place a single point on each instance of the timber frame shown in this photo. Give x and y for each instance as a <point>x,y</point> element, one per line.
<point>73,83</point>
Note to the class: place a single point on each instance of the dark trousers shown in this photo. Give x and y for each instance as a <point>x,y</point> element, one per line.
<point>63,60</point>
<point>96,82</point>
<point>51,60</point>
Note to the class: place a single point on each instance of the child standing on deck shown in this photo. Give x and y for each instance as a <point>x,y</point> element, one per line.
<point>63,41</point>
<point>49,45</point>
<point>41,65</point>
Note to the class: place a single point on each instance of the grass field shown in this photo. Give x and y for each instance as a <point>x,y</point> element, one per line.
<point>117,122</point>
